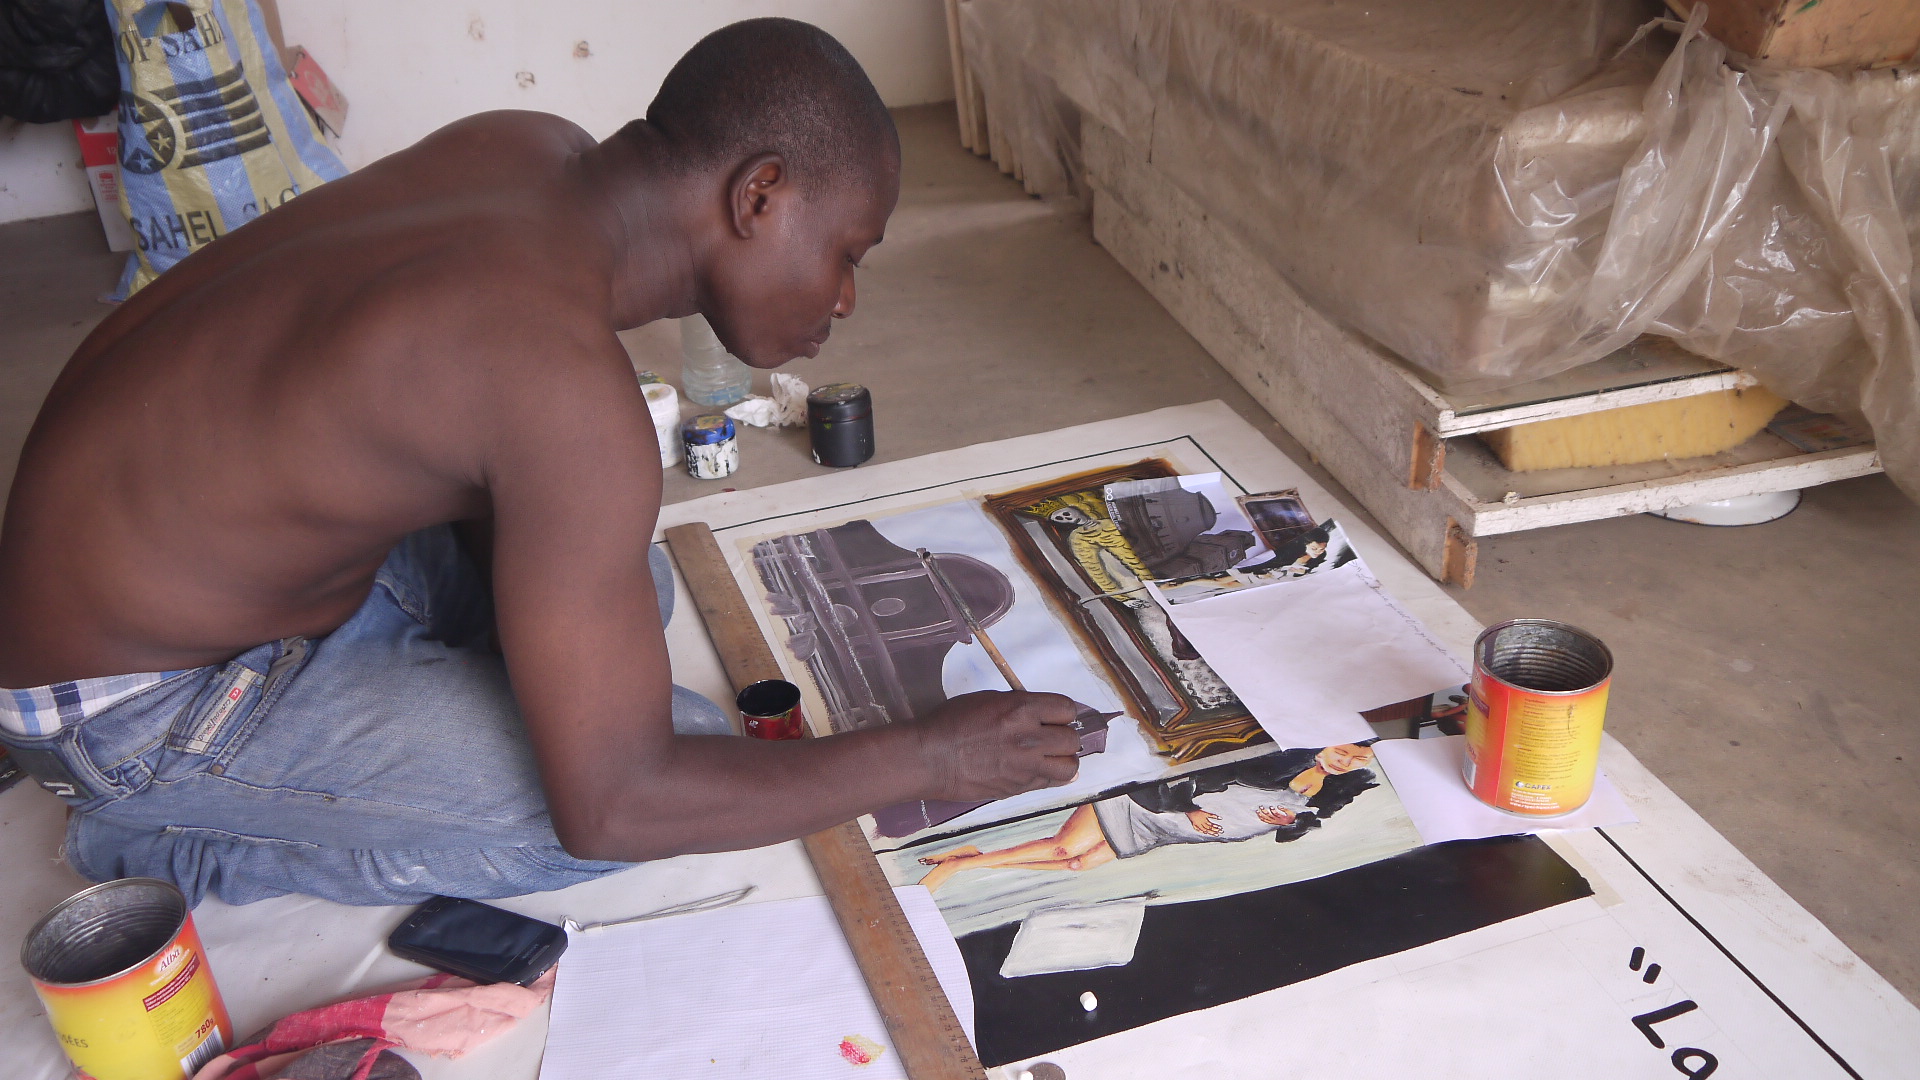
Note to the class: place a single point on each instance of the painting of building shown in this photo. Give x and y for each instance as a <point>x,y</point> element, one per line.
<point>869,620</point>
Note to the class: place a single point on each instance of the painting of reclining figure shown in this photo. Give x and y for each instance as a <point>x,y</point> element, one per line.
<point>1251,824</point>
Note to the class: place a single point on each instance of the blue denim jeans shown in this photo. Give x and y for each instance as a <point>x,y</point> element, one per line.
<point>381,764</point>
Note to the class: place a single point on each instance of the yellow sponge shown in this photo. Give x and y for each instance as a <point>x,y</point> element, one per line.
<point>1681,428</point>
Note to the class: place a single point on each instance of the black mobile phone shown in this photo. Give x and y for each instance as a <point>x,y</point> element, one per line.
<point>478,941</point>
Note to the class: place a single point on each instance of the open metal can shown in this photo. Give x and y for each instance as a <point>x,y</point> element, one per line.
<point>125,982</point>
<point>1534,714</point>
<point>770,709</point>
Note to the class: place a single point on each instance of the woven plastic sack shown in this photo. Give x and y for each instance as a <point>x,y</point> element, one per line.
<point>211,133</point>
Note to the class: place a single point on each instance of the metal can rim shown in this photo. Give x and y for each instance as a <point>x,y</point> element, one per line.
<point>1606,654</point>
<point>93,890</point>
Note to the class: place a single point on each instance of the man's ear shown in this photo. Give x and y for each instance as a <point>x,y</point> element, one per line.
<point>758,188</point>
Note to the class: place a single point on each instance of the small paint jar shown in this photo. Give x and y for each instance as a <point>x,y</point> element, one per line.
<point>663,408</point>
<point>770,709</point>
<point>840,424</point>
<point>711,447</point>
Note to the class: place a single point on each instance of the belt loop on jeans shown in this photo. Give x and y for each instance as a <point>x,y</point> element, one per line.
<point>292,651</point>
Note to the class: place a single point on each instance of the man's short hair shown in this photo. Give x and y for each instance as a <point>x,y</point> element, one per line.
<point>776,86</point>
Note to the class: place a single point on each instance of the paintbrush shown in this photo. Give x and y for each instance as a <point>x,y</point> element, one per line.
<point>940,582</point>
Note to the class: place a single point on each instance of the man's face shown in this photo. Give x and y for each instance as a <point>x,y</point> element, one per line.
<point>1344,758</point>
<point>774,295</point>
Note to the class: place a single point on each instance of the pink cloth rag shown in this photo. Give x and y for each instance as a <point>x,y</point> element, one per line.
<point>443,1015</point>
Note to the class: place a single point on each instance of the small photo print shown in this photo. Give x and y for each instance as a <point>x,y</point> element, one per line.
<point>1193,538</point>
<point>1279,516</point>
<point>1322,547</point>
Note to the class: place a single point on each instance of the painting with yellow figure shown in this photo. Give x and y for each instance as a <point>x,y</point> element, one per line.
<point>1064,533</point>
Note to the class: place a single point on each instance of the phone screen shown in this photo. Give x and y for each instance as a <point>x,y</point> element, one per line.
<point>478,941</point>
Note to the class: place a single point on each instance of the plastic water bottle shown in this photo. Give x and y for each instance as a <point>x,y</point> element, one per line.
<point>711,375</point>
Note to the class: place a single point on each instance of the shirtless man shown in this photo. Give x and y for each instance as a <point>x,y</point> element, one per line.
<point>260,657</point>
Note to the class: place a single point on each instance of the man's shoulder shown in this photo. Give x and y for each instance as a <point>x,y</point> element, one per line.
<point>500,128</point>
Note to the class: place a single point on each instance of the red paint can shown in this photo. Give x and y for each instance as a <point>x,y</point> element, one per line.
<point>770,709</point>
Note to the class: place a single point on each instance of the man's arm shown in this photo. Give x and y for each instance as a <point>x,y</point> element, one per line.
<point>574,474</point>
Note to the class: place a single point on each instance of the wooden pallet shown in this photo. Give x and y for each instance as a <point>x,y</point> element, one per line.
<point>1401,446</point>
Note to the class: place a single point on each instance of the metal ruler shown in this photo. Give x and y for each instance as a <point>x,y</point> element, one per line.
<point>920,1021</point>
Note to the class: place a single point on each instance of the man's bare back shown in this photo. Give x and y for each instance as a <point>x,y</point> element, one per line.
<point>229,459</point>
<point>332,377</point>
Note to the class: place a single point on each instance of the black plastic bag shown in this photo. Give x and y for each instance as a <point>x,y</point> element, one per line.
<point>56,60</point>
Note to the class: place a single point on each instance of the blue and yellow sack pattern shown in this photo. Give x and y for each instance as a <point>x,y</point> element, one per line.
<point>212,134</point>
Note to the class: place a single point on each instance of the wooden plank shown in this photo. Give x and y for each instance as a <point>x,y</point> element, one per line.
<point>979,112</point>
<point>1375,394</point>
<point>976,136</point>
<point>962,99</point>
<point>1452,423</point>
<point>1480,472</point>
<point>1429,458</point>
<point>1727,482</point>
<point>920,1021</point>
<point>1460,556</point>
<point>1645,362</point>
<point>1350,376</point>
<point>1417,519</point>
<point>1816,33</point>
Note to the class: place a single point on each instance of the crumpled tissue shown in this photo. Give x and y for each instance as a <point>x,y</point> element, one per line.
<point>786,408</point>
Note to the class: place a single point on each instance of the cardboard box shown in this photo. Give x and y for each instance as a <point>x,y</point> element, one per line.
<point>100,153</point>
<point>318,91</point>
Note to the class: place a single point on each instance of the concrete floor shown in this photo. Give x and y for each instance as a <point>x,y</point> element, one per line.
<point>1765,673</point>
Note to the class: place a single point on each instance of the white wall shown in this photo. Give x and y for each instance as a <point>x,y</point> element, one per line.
<point>40,171</point>
<point>410,66</point>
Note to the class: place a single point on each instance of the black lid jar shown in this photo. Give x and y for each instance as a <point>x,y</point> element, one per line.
<point>840,424</point>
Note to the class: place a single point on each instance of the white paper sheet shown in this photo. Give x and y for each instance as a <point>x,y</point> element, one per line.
<point>1308,656</point>
<point>1076,937</point>
<point>756,991</point>
<point>1426,773</point>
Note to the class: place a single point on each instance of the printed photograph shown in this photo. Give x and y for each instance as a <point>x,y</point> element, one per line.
<point>1184,528</point>
<point>1278,516</point>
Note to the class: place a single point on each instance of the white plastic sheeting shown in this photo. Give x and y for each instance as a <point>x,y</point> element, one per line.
<point>1500,190</point>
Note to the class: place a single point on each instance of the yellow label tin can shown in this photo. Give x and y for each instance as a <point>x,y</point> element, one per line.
<point>125,982</point>
<point>1534,714</point>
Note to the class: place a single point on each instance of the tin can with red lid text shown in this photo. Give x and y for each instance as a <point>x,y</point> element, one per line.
<point>125,982</point>
<point>770,709</point>
<point>1534,714</point>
